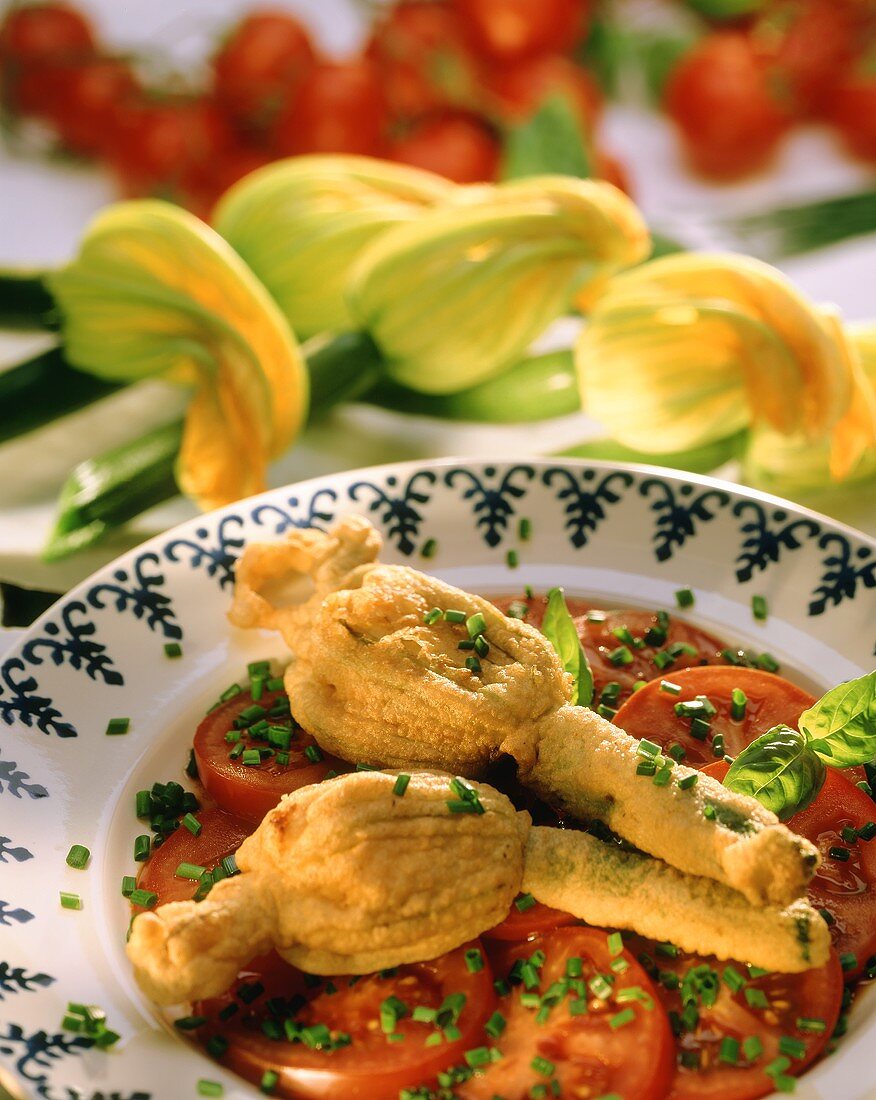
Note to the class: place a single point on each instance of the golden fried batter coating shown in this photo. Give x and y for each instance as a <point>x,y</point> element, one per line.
<point>374,683</point>
<point>343,877</point>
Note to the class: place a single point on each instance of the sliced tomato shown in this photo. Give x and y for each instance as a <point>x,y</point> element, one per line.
<point>612,1046</point>
<point>762,1009</point>
<point>532,920</point>
<point>220,836</point>
<point>846,888</point>
<point>456,145</point>
<point>252,789</point>
<point>372,1066</point>
<point>770,701</point>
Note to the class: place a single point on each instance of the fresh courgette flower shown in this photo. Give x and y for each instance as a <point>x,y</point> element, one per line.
<point>300,223</point>
<point>156,292</point>
<point>693,348</point>
<point>459,294</point>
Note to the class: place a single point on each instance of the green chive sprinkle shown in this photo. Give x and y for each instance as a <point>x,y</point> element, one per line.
<point>812,1024</point>
<point>621,1019</point>
<point>639,684</point>
<point>738,701</point>
<point>210,1088</point>
<point>841,854</point>
<point>768,663</point>
<point>670,688</point>
<point>401,785</point>
<point>615,944</point>
<point>116,726</point>
<point>867,832</point>
<point>144,898</point>
<point>646,767</point>
<point>574,967</point>
<point>495,1025</point>
<point>313,753</point>
<point>649,749</point>
<point>677,752</point>
<point>473,665</point>
<point>524,902</point>
<point>518,610</point>
<point>269,1081</point>
<point>759,608</point>
<point>662,777</point>
<point>192,824</point>
<point>733,979</point>
<point>474,961</point>
<point>684,597</point>
<point>543,1066</point>
<point>452,616</point>
<point>756,998</point>
<point>621,656</point>
<point>251,757</point>
<point>70,901</point>
<point>752,1047</point>
<point>729,1051</point>
<point>600,987</point>
<point>129,885</point>
<point>78,857</point>
<point>848,961</point>
<point>700,728</point>
<point>849,834</point>
<point>189,870</point>
<point>512,559</point>
<point>142,847</point>
<point>709,812</point>
<point>524,529</point>
<point>430,548</point>
<point>475,624</point>
<point>432,616</point>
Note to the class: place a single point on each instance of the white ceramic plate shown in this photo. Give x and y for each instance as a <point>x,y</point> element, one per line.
<point>631,535</point>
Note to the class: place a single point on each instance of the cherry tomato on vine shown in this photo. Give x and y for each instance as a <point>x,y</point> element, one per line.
<point>509,29</point>
<point>852,110</point>
<point>459,146</point>
<point>522,87</point>
<point>44,32</point>
<point>88,100</point>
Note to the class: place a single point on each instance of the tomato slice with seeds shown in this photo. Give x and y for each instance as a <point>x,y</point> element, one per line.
<point>251,790</point>
<point>220,836</point>
<point>371,1066</point>
<point>521,924</point>
<point>616,1046</point>
<point>770,701</point>
<point>846,888</point>
<point>731,1004</point>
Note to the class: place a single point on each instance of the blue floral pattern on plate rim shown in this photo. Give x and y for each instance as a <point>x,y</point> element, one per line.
<point>629,534</point>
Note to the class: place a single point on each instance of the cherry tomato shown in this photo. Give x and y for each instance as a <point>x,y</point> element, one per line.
<point>613,170</point>
<point>846,888</point>
<point>620,1045</point>
<point>770,701</point>
<point>267,53</point>
<point>852,110</point>
<point>763,1009</point>
<point>252,790</point>
<point>423,57</point>
<point>521,924</point>
<point>44,32</point>
<point>337,108</point>
<point>521,88</point>
<point>813,42</point>
<point>371,1067</point>
<point>221,835</point>
<point>458,146</point>
<point>509,29</point>
<point>727,106</point>
<point>88,98</point>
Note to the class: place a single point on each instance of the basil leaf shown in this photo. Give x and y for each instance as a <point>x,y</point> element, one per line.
<point>551,142</point>
<point>780,770</point>
<point>559,628</point>
<point>841,727</point>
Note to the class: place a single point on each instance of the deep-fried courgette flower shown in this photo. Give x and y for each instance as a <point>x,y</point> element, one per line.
<point>459,294</point>
<point>300,223</point>
<point>693,348</point>
<point>154,292</point>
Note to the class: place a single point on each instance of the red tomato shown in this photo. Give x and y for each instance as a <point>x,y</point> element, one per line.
<point>521,88</point>
<point>266,54</point>
<point>722,98</point>
<point>845,888</point>
<point>522,924</point>
<point>814,994</point>
<point>221,835</point>
<point>813,42</point>
<point>852,110</point>
<point>770,701</point>
<point>252,790</point>
<point>44,32</point>
<point>158,145</point>
<point>458,146</point>
<point>337,108</point>
<point>584,1052</point>
<point>371,1067</point>
<point>88,98</point>
<point>613,170</point>
<point>424,60</point>
<point>510,29</point>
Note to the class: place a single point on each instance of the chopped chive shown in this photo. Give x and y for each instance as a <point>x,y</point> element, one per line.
<point>574,967</point>
<point>756,998</point>
<point>677,752</point>
<point>429,549</point>
<point>757,972</point>
<point>649,749</point>
<point>621,1019</point>
<point>401,785</point>
<point>192,824</point>
<point>639,684</point>
<point>524,529</point>
<point>474,961</point>
<point>619,965</point>
<point>864,786</point>
<point>230,692</point>
<point>662,777</point>
<point>144,898</point>
<point>524,902</point>
<point>70,901</point>
<point>752,1047</point>
<point>129,885</point>
<point>466,643</point>
<point>432,616</point>
<point>542,1066</point>
<point>728,1052</point>
<point>237,751</point>
<point>269,1081</point>
<point>78,857</point>
<point>608,713</point>
<point>662,659</point>
<point>495,1025</point>
<point>475,624</point>
<point>313,753</point>
<point>251,757</point>
<point>841,854</point>
<point>116,726</point>
<point>759,608</point>
<point>189,870</point>
<point>210,1088</point>
<point>768,663</point>
<point>867,832</point>
<point>452,616</point>
<point>172,649</point>
<point>615,944</point>
<point>848,960</point>
<point>473,665</point>
<point>684,597</point>
<point>812,1024</point>
<point>142,847</point>
<point>667,949</point>
<point>718,745</point>
<point>518,610</point>
<point>849,834</point>
<point>621,656</point>
<point>646,767</point>
<point>738,701</point>
<point>458,806</point>
<point>512,559</point>
<point>670,688</point>
<point>791,1046</point>
<point>481,645</point>
<point>594,616</point>
<point>700,728</point>
<point>600,987</point>
<point>274,683</point>
<point>258,669</point>
<point>143,803</point>
<point>257,687</point>
<point>709,812</point>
